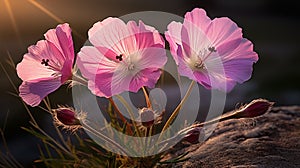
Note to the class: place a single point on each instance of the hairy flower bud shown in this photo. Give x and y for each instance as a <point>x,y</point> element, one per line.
<point>192,136</point>
<point>67,117</point>
<point>255,108</point>
<point>147,117</point>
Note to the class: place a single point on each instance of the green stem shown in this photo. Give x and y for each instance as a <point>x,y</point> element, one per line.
<point>148,102</point>
<point>176,111</point>
<point>105,138</point>
<point>131,114</point>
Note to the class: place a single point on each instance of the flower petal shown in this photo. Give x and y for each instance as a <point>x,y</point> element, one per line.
<point>238,64</point>
<point>146,77</point>
<point>152,57</point>
<point>173,36</point>
<point>199,18</point>
<point>33,92</point>
<point>194,39</point>
<point>109,83</point>
<point>30,68</point>
<point>222,30</point>
<point>145,36</point>
<point>113,34</point>
<point>90,59</point>
<point>61,37</point>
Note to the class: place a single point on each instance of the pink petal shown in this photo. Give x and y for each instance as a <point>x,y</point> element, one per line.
<point>33,92</point>
<point>145,36</point>
<point>198,18</point>
<point>113,34</point>
<point>110,83</point>
<point>212,80</point>
<point>185,70</point>
<point>146,77</point>
<point>173,36</point>
<point>238,64</point>
<point>203,78</point>
<point>66,71</point>
<point>222,30</point>
<point>30,68</point>
<point>194,39</point>
<point>243,51</point>
<point>152,57</point>
<point>90,59</point>
<point>61,37</point>
<point>98,26</point>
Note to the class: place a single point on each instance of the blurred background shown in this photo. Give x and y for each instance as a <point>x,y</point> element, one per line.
<point>273,27</point>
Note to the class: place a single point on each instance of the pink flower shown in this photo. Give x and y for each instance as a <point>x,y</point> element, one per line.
<point>211,52</point>
<point>124,57</point>
<point>47,65</point>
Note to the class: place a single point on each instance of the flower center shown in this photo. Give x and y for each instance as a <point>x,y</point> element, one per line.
<point>131,67</point>
<point>196,61</point>
<point>53,66</point>
<point>199,65</point>
<point>128,63</point>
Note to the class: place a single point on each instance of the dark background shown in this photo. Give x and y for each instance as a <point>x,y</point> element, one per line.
<point>273,27</point>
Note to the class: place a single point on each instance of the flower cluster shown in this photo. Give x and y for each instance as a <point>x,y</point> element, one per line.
<point>128,57</point>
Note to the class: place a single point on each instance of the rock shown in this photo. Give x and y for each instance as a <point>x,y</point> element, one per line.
<point>270,140</point>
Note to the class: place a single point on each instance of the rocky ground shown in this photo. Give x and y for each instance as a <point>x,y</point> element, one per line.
<point>271,140</point>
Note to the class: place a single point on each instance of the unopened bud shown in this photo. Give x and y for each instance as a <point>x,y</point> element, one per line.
<point>192,136</point>
<point>147,117</point>
<point>255,108</point>
<point>66,117</point>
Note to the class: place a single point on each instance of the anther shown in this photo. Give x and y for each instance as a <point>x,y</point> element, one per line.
<point>199,65</point>
<point>212,49</point>
<point>119,57</point>
<point>45,62</point>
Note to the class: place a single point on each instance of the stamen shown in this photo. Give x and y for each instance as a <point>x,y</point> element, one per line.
<point>119,57</point>
<point>45,62</point>
<point>131,67</point>
<point>212,49</point>
<point>199,65</point>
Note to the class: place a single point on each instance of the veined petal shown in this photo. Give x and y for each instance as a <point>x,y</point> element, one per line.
<point>152,57</point>
<point>90,61</point>
<point>222,30</point>
<point>199,18</point>
<point>146,77</point>
<point>33,92</point>
<point>109,83</point>
<point>61,37</point>
<point>173,36</point>
<point>184,69</point>
<point>145,36</point>
<point>31,67</point>
<point>113,34</point>
<point>243,51</point>
<point>194,39</point>
<point>238,64</point>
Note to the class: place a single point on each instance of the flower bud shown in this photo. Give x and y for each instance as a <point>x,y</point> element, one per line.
<point>255,108</point>
<point>66,116</point>
<point>147,117</point>
<point>192,136</point>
